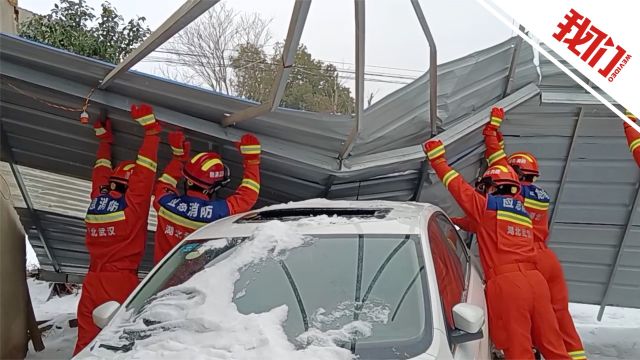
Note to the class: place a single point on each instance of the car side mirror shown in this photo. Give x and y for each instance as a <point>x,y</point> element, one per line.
<point>103,313</point>
<point>468,320</point>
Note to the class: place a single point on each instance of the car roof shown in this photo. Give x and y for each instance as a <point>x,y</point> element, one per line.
<point>399,218</point>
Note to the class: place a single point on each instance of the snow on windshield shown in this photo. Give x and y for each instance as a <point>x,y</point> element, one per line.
<point>198,318</point>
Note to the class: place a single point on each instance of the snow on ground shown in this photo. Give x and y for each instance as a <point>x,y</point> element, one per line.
<point>616,337</point>
<point>60,340</point>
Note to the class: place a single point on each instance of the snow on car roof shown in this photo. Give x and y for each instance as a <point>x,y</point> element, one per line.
<point>403,218</point>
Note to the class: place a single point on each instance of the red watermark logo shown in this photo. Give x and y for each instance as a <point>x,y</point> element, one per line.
<point>592,44</point>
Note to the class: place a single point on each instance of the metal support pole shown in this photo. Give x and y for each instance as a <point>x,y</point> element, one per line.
<point>565,172</point>
<point>625,237</point>
<point>188,12</point>
<point>433,89</point>
<point>433,68</point>
<point>296,25</point>
<point>27,200</point>
<point>512,66</point>
<point>360,32</point>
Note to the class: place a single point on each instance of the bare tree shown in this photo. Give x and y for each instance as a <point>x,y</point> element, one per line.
<point>206,46</point>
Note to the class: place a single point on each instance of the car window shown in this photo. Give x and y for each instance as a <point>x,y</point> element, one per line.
<point>325,285</point>
<point>450,271</point>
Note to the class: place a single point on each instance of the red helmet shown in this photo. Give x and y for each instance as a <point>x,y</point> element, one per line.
<point>206,170</point>
<point>524,162</point>
<point>122,172</point>
<point>499,175</point>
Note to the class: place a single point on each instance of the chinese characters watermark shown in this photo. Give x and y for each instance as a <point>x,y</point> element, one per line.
<point>591,44</point>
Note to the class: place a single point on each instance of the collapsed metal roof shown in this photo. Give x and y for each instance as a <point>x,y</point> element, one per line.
<point>586,166</point>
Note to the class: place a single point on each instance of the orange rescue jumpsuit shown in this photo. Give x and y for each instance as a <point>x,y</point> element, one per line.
<point>536,202</point>
<point>180,215</point>
<point>116,234</point>
<point>517,295</point>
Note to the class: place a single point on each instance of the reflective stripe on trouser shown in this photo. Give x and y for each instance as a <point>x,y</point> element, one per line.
<point>550,268</point>
<point>520,315</point>
<point>578,355</point>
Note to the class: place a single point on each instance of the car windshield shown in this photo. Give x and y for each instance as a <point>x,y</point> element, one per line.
<point>358,294</point>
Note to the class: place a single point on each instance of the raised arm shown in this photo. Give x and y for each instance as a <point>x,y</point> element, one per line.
<point>633,137</point>
<point>493,141</point>
<point>102,168</point>
<point>247,193</point>
<point>173,172</point>
<point>470,201</point>
<point>138,194</point>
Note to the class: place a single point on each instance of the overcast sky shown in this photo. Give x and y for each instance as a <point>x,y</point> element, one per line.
<point>394,39</point>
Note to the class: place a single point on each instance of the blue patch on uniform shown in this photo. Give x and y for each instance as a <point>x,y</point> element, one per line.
<point>506,203</point>
<point>106,204</point>
<point>204,211</point>
<point>536,193</point>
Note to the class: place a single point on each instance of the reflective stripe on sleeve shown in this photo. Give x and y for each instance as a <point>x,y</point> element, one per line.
<point>496,121</point>
<point>146,120</point>
<point>634,144</point>
<point>103,162</point>
<point>100,131</point>
<point>452,174</point>
<point>168,179</point>
<point>251,184</point>
<point>250,149</point>
<point>496,156</point>
<point>177,151</point>
<point>146,162</point>
<point>434,153</point>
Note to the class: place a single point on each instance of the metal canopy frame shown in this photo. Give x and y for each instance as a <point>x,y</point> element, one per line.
<point>565,172</point>
<point>296,25</point>
<point>27,200</point>
<point>188,12</point>
<point>627,235</point>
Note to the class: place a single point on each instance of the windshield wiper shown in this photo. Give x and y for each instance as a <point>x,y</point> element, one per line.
<point>406,291</point>
<point>296,293</point>
<point>124,348</point>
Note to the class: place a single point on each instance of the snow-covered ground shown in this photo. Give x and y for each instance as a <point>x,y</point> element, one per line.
<point>616,337</point>
<point>60,340</point>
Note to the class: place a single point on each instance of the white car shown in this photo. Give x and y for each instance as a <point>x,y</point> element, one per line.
<point>316,279</point>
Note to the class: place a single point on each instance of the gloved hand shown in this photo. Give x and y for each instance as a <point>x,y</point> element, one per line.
<point>434,149</point>
<point>249,147</point>
<point>497,115</point>
<point>143,114</point>
<point>179,146</point>
<point>103,131</point>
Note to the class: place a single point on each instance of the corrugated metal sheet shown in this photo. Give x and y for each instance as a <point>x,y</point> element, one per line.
<point>301,149</point>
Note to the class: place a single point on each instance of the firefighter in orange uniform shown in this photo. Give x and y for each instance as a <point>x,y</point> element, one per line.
<point>518,299</point>
<point>117,221</point>
<point>633,137</point>
<point>536,202</point>
<point>205,174</point>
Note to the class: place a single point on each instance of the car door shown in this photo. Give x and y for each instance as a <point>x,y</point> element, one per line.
<point>458,281</point>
